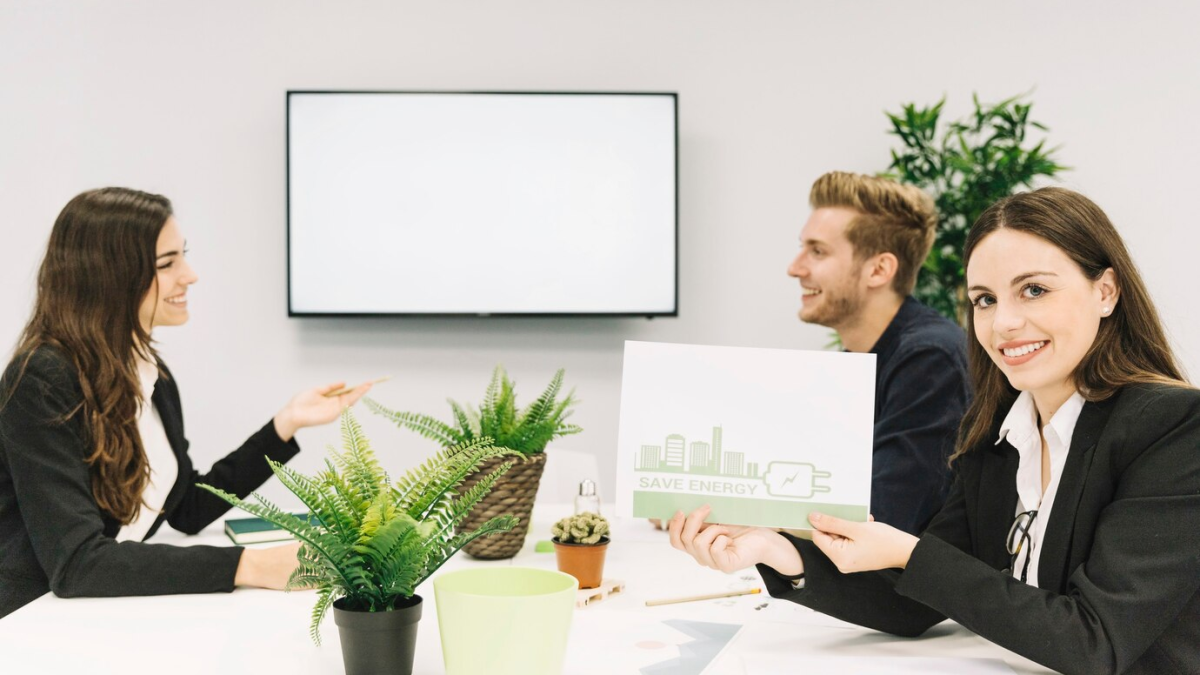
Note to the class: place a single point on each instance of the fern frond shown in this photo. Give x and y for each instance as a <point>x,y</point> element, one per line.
<point>377,547</point>
<point>352,506</point>
<point>403,580</point>
<point>563,409</point>
<point>506,411</point>
<point>305,581</point>
<point>540,410</point>
<point>379,513</point>
<point>452,473</point>
<point>361,581</point>
<point>324,600</point>
<point>473,421</point>
<point>417,480</point>
<point>444,517</point>
<point>359,465</point>
<point>309,570</point>
<point>398,553</point>
<point>326,545</point>
<point>490,396</point>
<point>461,419</point>
<point>442,551</point>
<point>424,425</point>
<point>457,511</point>
<point>313,495</point>
<point>299,527</point>
<point>498,411</point>
<point>495,525</point>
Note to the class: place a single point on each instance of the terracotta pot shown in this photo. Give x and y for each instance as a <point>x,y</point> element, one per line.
<point>585,562</point>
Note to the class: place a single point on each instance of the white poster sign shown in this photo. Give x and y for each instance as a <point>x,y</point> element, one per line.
<point>762,436</point>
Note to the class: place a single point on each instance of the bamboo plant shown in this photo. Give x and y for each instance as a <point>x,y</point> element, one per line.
<point>374,542</point>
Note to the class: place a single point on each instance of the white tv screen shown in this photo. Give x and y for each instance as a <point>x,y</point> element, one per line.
<point>419,203</point>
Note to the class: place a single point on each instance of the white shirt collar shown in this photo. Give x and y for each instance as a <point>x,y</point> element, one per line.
<point>1064,419</point>
<point>1021,423</point>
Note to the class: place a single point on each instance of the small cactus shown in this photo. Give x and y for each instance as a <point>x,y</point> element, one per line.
<point>583,528</point>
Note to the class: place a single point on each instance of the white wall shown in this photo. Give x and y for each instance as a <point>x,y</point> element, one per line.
<point>186,99</point>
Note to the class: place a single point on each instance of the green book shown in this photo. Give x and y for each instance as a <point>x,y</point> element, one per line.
<point>256,530</point>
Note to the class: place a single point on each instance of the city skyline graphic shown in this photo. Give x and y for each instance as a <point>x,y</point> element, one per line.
<point>793,480</point>
<point>701,458</point>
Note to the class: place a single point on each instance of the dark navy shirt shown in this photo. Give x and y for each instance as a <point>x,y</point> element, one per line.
<point>922,389</point>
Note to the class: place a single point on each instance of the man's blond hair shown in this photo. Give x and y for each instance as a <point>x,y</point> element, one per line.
<point>893,218</point>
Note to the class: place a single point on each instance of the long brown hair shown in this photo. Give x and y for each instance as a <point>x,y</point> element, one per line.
<point>1131,345</point>
<point>99,266</point>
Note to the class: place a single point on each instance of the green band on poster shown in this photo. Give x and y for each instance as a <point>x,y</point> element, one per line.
<point>741,511</point>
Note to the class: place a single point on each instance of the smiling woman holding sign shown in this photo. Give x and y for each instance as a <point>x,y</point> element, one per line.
<point>1072,533</point>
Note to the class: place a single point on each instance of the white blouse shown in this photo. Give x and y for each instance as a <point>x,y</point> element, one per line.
<point>1020,428</point>
<point>164,467</point>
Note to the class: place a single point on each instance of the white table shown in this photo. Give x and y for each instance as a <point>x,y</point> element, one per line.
<point>267,631</point>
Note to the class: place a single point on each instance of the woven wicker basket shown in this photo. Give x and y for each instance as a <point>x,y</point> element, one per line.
<point>514,494</point>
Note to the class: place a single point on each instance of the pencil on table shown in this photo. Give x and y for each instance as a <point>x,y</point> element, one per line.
<point>347,390</point>
<point>707,596</point>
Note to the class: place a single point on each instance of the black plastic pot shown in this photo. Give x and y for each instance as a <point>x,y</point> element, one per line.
<point>378,643</point>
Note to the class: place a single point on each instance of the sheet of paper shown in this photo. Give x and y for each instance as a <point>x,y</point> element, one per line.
<point>642,644</point>
<point>763,436</point>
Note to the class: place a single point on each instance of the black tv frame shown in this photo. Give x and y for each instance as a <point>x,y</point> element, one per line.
<point>535,315</point>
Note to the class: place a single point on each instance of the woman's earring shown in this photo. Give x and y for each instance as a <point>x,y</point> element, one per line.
<point>1106,311</point>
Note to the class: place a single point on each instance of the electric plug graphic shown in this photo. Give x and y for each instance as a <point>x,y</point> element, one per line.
<point>794,479</point>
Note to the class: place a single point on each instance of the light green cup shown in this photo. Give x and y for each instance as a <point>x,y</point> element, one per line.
<point>504,620</point>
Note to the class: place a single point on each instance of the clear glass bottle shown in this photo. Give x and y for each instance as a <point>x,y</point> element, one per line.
<point>587,501</point>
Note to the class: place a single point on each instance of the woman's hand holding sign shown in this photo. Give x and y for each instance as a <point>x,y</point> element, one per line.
<point>861,547</point>
<point>732,547</point>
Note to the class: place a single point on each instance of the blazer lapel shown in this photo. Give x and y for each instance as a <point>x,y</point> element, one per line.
<point>1056,547</point>
<point>172,421</point>
<point>998,502</point>
<point>170,415</point>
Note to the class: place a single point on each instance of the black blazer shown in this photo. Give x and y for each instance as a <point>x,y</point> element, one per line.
<point>53,535</point>
<point>1119,568</point>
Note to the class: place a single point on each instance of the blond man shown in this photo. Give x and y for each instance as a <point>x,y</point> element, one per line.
<point>860,253</point>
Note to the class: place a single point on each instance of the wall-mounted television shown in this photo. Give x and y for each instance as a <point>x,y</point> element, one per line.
<point>410,203</point>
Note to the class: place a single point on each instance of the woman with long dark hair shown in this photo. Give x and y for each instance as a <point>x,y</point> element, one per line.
<point>1072,533</point>
<point>93,458</point>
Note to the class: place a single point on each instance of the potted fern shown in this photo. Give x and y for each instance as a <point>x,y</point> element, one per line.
<point>526,431</point>
<point>580,542</point>
<point>373,542</point>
